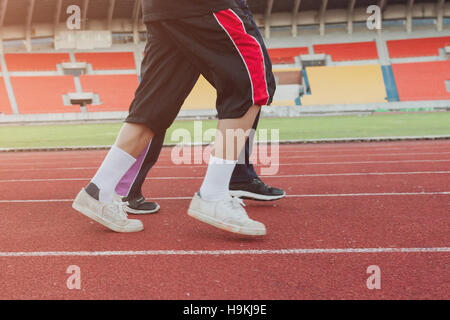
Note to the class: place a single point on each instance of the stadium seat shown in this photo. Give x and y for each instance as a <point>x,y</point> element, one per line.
<point>345,85</point>
<point>43,94</point>
<point>349,51</point>
<point>288,76</point>
<point>35,61</point>
<point>5,107</point>
<point>289,85</point>
<point>286,55</point>
<point>422,80</point>
<point>422,47</point>
<point>203,96</point>
<point>115,91</point>
<point>107,60</point>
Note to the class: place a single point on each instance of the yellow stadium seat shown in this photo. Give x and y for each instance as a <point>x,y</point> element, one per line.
<point>283,103</point>
<point>345,85</point>
<point>203,96</point>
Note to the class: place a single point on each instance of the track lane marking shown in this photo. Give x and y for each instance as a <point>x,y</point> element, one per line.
<point>275,176</point>
<point>287,196</point>
<point>280,164</point>
<point>323,148</point>
<point>220,252</point>
<point>15,163</point>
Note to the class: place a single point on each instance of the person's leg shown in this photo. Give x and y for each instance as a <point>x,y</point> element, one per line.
<point>130,187</point>
<point>155,106</point>
<point>245,182</point>
<point>213,204</point>
<point>231,59</point>
<point>244,171</point>
<point>230,140</point>
<point>96,201</point>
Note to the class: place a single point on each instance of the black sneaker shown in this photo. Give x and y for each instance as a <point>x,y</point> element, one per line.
<point>256,190</point>
<point>139,206</point>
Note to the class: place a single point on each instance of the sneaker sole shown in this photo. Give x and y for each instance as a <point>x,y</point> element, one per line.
<point>90,214</point>
<point>255,196</point>
<point>134,211</point>
<point>225,226</point>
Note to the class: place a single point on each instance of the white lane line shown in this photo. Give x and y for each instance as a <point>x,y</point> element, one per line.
<point>162,160</point>
<point>280,164</point>
<point>355,174</point>
<point>67,155</point>
<point>265,177</point>
<point>368,194</point>
<point>220,252</point>
<point>288,196</point>
<point>359,149</point>
<point>361,162</point>
<point>371,155</point>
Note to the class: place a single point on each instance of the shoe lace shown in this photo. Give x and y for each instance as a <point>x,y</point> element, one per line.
<point>261,183</point>
<point>117,208</point>
<point>235,202</point>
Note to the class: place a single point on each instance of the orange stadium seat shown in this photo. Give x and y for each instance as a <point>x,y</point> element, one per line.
<point>286,55</point>
<point>35,61</point>
<point>349,51</point>
<point>43,94</point>
<point>107,60</point>
<point>115,91</point>
<point>422,80</point>
<point>4,100</point>
<point>423,47</point>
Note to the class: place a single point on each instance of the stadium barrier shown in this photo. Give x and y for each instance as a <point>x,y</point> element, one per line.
<point>267,112</point>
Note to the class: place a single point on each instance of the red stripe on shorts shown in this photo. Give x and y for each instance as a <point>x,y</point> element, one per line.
<point>250,51</point>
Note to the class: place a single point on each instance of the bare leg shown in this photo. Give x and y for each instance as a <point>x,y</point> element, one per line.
<point>213,204</point>
<point>131,141</point>
<point>232,134</point>
<point>133,138</point>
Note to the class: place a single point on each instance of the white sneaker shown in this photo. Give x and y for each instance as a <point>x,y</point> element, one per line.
<point>227,214</point>
<point>111,216</point>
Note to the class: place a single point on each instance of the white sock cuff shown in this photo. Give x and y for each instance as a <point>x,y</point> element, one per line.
<point>117,162</point>
<point>215,160</point>
<point>114,148</point>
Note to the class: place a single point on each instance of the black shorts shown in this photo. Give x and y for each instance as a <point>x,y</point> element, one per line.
<point>225,47</point>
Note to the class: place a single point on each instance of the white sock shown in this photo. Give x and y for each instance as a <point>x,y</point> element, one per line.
<point>113,168</point>
<point>215,186</point>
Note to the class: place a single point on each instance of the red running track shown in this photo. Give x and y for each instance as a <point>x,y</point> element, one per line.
<point>350,206</point>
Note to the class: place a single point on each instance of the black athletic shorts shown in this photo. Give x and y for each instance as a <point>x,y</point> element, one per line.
<point>226,47</point>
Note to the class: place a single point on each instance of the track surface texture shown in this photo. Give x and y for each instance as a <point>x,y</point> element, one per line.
<point>349,206</point>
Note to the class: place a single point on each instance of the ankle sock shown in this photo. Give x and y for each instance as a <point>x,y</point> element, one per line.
<point>113,168</point>
<point>215,185</point>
